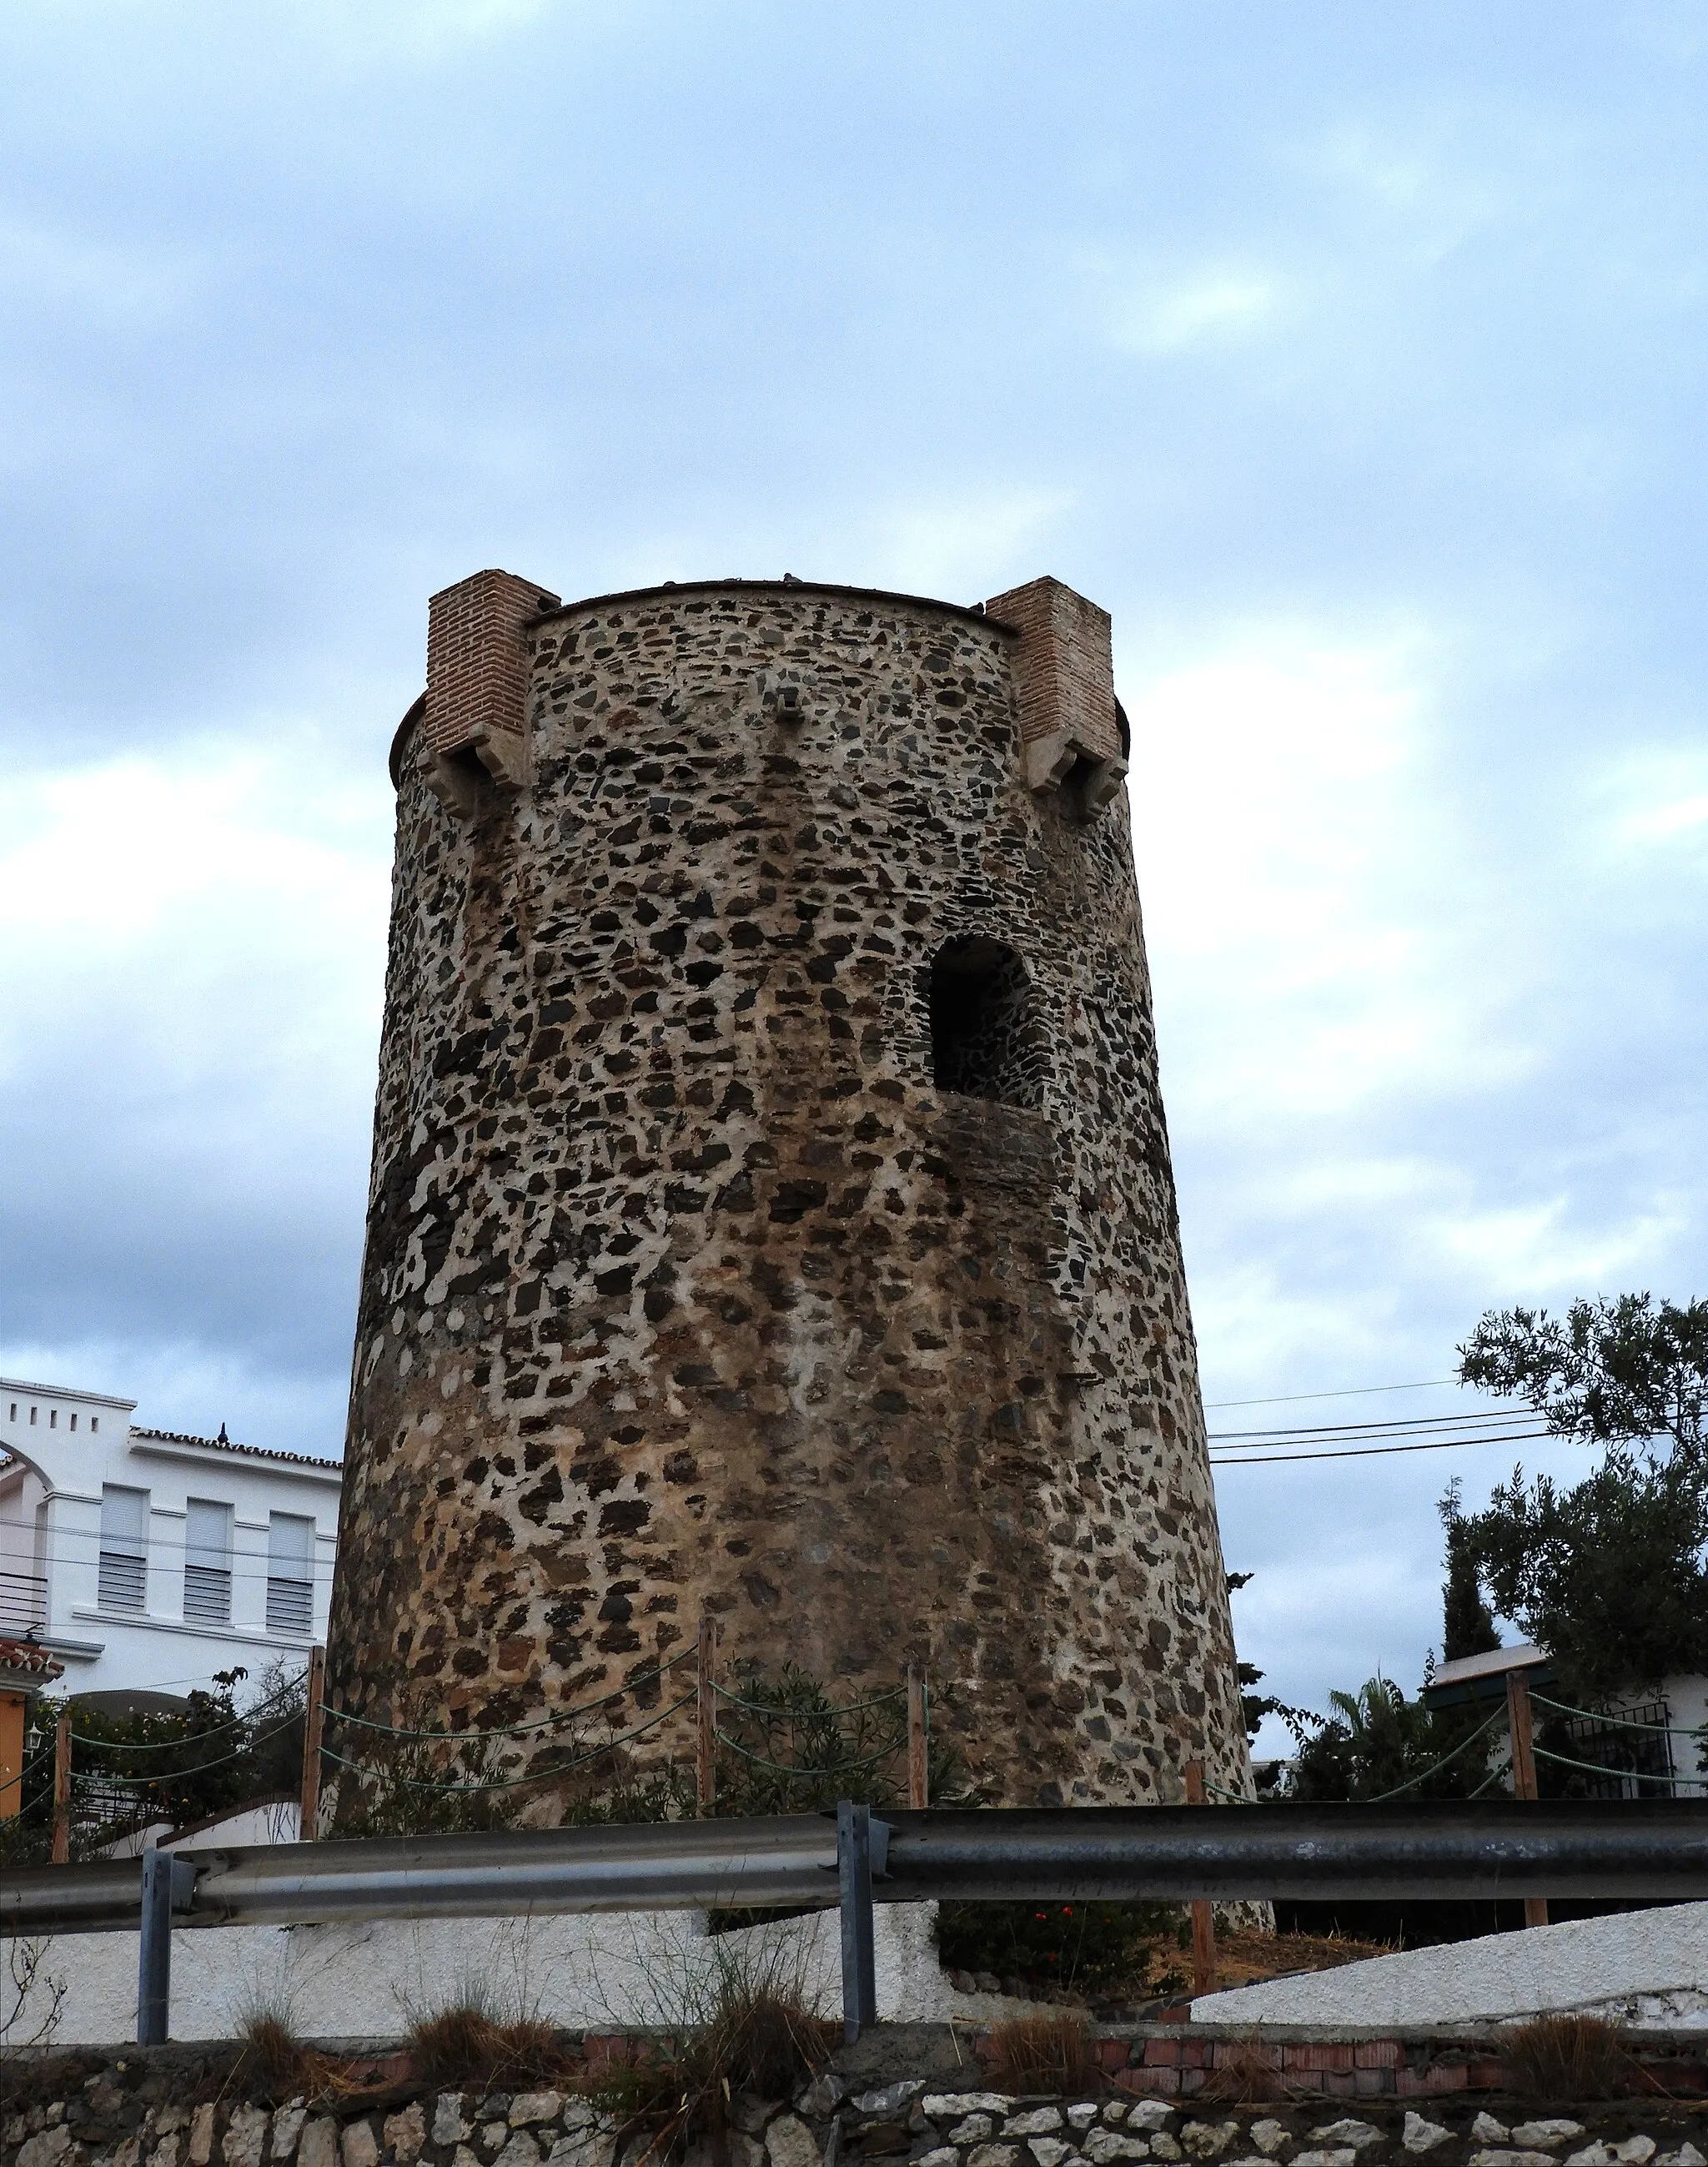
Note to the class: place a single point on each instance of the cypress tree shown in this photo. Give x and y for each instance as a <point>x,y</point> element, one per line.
<point>1467,1624</point>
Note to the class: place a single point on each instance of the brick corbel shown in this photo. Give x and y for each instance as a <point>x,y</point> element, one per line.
<point>1071,732</point>
<point>475,733</point>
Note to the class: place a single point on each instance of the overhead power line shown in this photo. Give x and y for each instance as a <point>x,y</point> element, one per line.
<point>1347,1392</point>
<point>1369,1451</point>
<point>1400,1426</point>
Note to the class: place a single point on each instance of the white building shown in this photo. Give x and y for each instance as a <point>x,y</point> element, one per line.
<point>1650,1743</point>
<point>147,1561</point>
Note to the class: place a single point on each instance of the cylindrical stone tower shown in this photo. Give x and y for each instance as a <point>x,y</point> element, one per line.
<point>771,1216</point>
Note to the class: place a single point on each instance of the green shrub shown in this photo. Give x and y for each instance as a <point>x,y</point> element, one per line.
<point>1084,1947</point>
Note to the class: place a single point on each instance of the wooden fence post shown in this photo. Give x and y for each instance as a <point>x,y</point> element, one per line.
<point>919,1764</point>
<point>309,1819</point>
<point>704,1777</point>
<point>1204,1917</point>
<point>1524,1785</point>
<point>62,1790</point>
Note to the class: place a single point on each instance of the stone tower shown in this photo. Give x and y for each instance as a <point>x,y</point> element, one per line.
<point>772,1214</point>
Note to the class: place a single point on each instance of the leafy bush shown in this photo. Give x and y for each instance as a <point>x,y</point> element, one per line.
<point>175,1765</point>
<point>1083,1948</point>
<point>1377,1741</point>
<point>786,1746</point>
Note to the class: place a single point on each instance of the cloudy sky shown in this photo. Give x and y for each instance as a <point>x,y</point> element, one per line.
<point>1351,356</point>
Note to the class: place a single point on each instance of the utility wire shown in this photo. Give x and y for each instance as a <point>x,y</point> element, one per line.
<point>1367,1451</point>
<point>257,1565</point>
<point>1601,1768</point>
<point>1401,1426</point>
<point>1350,1392</point>
<point>883,1753</point>
<point>1412,1782</point>
<point>182,1775</point>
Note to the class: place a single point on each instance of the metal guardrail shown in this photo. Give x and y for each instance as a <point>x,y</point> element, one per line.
<point>658,1867</point>
<point>1456,1848</point>
<point>1653,1848</point>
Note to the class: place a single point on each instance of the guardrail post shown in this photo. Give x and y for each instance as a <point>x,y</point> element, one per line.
<point>853,1869</point>
<point>62,1790</point>
<point>308,1816</point>
<point>168,1884</point>
<point>705,1709</point>
<point>1204,1917</point>
<point>919,1759</point>
<point>1524,1782</point>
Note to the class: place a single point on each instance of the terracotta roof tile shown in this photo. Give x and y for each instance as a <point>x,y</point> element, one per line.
<point>226,1444</point>
<point>30,1659</point>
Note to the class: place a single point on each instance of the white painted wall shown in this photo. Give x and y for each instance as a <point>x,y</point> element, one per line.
<point>1651,1967</point>
<point>269,1821</point>
<point>366,1982</point>
<point>64,1446</point>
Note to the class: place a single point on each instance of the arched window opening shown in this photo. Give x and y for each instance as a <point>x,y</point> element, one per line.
<point>985,1039</point>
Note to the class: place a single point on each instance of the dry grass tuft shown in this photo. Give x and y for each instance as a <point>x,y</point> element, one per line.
<point>1052,2053</point>
<point>272,2052</point>
<point>1244,2073</point>
<point>1570,2058</point>
<point>758,2036</point>
<point>762,2039</point>
<point>466,2047</point>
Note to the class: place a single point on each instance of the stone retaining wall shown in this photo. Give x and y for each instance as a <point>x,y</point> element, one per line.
<point>175,2107</point>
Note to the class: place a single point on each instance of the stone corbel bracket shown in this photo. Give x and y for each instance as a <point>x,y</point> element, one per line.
<point>1071,737</point>
<point>1063,761</point>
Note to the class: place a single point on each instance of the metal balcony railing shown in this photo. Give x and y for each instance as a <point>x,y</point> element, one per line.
<point>22,1604</point>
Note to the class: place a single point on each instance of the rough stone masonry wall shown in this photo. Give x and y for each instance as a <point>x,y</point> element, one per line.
<point>161,2110</point>
<point>687,1293</point>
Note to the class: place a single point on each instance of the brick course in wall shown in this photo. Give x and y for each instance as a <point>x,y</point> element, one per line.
<point>688,1292</point>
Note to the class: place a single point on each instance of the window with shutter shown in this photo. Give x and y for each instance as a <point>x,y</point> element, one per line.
<point>207,1563</point>
<point>122,1583</point>
<point>290,1574</point>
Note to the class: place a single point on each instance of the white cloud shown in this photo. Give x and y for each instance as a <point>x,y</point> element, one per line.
<point>198,912</point>
<point>57,268</point>
<point>1215,305</point>
<point>189,1006</point>
<point>426,30</point>
<point>1431,181</point>
<point>1655,796</point>
<point>949,545</point>
<point>1283,828</point>
<point>1535,1248</point>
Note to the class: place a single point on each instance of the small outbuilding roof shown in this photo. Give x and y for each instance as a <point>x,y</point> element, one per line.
<point>1483,1677</point>
<point>1494,1662</point>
